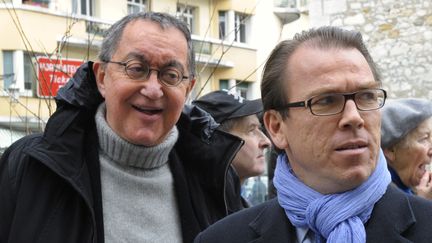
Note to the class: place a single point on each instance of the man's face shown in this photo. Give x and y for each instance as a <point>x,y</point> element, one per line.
<point>143,112</point>
<point>413,154</point>
<point>250,160</point>
<point>332,153</point>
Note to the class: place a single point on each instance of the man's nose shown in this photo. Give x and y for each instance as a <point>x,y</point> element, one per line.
<point>351,116</point>
<point>265,141</point>
<point>152,88</point>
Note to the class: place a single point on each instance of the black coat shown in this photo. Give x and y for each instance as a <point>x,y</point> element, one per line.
<point>396,217</point>
<point>50,187</point>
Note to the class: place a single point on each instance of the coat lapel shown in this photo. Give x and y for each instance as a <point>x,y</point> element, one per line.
<point>391,217</point>
<point>272,225</point>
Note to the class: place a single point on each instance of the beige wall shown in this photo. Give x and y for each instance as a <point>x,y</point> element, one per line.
<point>247,6</point>
<point>27,107</point>
<point>41,31</point>
<point>244,61</point>
<point>112,10</point>
<point>80,53</point>
<point>202,78</point>
<point>164,6</point>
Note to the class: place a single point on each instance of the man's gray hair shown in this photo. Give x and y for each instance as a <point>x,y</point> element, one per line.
<point>275,73</point>
<point>114,33</point>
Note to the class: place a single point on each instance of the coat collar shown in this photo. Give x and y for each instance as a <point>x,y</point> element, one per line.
<point>391,217</point>
<point>272,225</point>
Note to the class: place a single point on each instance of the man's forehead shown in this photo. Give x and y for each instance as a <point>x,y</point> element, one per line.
<point>314,55</point>
<point>329,69</point>
<point>247,121</point>
<point>139,27</point>
<point>144,39</point>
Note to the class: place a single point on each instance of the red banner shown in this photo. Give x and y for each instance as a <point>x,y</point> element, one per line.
<point>53,74</point>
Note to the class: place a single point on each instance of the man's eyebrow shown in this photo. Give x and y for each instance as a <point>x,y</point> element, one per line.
<point>255,125</point>
<point>136,56</point>
<point>371,85</point>
<point>174,63</point>
<point>142,58</point>
<point>333,90</point>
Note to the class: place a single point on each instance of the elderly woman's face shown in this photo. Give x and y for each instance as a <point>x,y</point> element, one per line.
<point>413,153</point>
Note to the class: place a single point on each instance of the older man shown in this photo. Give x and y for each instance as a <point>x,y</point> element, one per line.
<point>321,94</point>
<point>118,161</point>
<point>239,116</point>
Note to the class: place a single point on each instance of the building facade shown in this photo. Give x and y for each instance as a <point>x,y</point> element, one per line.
<point>44,42</point>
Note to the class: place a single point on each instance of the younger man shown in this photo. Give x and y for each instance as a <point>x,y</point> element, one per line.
<point>321,94</point>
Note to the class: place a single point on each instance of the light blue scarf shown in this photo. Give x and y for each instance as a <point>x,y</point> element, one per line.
<point>336,217</point>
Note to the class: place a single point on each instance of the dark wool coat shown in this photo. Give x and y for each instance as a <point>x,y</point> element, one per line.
<point>396,217</point>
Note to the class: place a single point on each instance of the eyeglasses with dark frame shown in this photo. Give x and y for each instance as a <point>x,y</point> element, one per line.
<point>140,71</point>
<point>334,103</point>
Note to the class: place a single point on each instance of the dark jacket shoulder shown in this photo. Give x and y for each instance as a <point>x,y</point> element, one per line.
<point>265,222</point>
<point>400,217</point>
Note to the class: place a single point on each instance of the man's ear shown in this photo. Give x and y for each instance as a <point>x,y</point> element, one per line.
<point>190,86</point>
<point>99,71</point>
<point>274,124</point>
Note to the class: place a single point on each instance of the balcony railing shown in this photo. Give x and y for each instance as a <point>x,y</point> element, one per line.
<point>202,47</point>
<point>285,3</point>
<point>96,28</point>
<point>289,10</point>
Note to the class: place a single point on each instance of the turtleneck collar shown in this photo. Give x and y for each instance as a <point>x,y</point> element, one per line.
<point>128,154</point>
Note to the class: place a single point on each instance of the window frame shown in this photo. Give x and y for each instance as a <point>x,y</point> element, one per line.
<point>241,26</point>
<point>77,7</point>
<point>8,69</point>
<point>222,24</point>
<point>42,4</point>
<point>243,88</point>
<point>30,73</point>
<point>187,13</point>
<point>142,6</point>
<point>24,72</point>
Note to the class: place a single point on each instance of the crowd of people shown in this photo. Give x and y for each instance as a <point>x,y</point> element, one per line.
<point>125,159</point>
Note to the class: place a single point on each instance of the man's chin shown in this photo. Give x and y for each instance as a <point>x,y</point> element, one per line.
<point>145,140</point>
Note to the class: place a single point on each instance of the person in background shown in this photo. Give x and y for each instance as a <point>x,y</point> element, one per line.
<point>259,191</point>
<point>322,95</point>
<point>122,159</point>
<point>239,116</point>
<point>406,138</point>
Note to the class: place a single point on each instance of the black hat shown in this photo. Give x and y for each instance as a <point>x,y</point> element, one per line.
<point>224,105</point>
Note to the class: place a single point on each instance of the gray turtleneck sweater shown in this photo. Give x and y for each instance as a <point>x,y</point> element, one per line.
<point>138,196</point>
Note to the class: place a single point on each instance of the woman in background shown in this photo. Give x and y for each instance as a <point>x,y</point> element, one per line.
<point>406,138</point>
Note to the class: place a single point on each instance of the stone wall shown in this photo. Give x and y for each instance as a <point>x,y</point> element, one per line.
<point>398,34</point>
